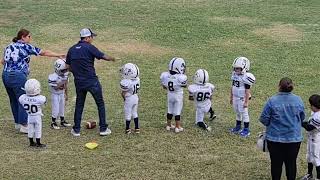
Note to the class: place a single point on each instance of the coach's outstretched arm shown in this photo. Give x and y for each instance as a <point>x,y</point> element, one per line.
<point>49,53</point>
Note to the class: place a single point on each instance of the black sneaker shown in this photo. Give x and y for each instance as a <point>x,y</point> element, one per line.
<point>41,145</point>
<point>54,125</point>
<point>33,144</point>
<point>212,116</point>
<point>65,124</point>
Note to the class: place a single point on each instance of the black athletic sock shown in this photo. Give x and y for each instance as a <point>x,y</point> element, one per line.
<point>53,119</point>
<point>238,123</point>
<point>318,172</point>
<point>310,168</point>
<point>136,122</point>
<point>31,141</point>
<point>127,125</point>
<point>62,118</point>
<point>38,141</point>
<point>246,125</point>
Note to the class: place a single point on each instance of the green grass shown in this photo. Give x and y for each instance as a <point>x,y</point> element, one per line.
<point>281,38</point>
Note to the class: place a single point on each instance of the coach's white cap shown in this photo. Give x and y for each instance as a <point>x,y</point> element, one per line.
<point>86,32</point>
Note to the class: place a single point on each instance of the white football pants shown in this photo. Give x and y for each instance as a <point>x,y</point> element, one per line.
<point>34,126</point>
<point>57,105</point>
<point>313,149</point>
<point>175,103</point>
<point>131,107</point>
<point>242,114</point>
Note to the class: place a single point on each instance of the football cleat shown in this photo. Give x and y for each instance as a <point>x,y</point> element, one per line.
<point>235,130</point>
<point>245,132</point>
<point>54,125</point>
<point>65,124</point>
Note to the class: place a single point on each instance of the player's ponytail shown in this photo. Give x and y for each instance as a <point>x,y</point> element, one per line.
<point>20,34</point>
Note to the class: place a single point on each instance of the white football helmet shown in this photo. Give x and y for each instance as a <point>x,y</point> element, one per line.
<point>60,67</point>
<point>243,63</point>
<point>129,71</point>
<point>201,76</point>
<point>32,87</point>
<point>177,65</point>
<point>262,143</point>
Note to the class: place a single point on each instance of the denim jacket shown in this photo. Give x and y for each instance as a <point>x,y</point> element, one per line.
<point>282,115</point>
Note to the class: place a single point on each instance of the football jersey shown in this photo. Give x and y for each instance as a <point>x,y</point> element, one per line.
<point>17,56</point>
<point>173,83</point>
<point>32,104</point>
<point>201,94</point>
<point>238,83</point>
<point>54,79</point>
<point>315,121</point>
<point>130,86</point>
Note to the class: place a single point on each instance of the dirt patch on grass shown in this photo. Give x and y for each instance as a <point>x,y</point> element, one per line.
<point>236,20</point>
<point>281,32</point>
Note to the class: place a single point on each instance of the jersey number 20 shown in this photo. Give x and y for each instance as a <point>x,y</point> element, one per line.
<point>30,108</point>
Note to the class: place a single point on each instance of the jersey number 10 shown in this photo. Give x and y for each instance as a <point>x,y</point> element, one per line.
<point>136,87</point>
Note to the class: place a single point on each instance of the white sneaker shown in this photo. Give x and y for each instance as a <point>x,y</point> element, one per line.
<point>106,132</point>
<point>17,126</point>
<point>177,130</point>
<point>307,177</point>
<point>209,128</point>
<point>74,133</point>
<point>168,128</point>
<point>24,129</point>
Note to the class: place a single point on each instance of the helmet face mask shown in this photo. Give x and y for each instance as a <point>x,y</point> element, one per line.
<point>60,67</point>
<point>129,71</point>
<point>201,77</point>
<point>177,65</point>
<point>32,87</point>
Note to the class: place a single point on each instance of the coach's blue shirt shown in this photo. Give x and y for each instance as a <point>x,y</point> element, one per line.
<point>17,56</point>
<point>81,58</point>
<point>282,115</point>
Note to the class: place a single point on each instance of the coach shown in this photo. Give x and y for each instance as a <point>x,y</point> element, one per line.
<point>283,115</point>
<point>80,60</point>
<point>16,60</point>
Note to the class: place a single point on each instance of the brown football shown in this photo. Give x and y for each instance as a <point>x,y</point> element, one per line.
<point>91,124</point>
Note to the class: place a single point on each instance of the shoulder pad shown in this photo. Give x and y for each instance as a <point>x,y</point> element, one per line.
<point>249,79</point>
<point>125,84</point>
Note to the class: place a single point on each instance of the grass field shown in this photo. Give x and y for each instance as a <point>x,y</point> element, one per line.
<point>281,38</point>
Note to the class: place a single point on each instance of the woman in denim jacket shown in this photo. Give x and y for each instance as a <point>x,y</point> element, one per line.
<point>283,115</point>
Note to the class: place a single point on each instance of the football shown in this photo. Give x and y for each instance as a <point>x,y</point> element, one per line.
<point>91,124</point>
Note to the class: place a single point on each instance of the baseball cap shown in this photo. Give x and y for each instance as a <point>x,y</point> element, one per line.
<point>86,32</point>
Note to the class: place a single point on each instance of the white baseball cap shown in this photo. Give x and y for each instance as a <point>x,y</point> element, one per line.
<point>86,32</point>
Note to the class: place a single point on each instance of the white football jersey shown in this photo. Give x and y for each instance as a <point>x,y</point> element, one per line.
<point>54,79</point>
<point>315,121</point>
<point>239,81</point>
<point>130,86</point>
<point>32,104</point>
<point>174,83</point>
<point>201,94</point>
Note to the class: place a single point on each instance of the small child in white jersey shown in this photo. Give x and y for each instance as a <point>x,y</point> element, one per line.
<point>32,102</point>
<point>59,93</point>
<point>240,94</point>
<point>312,126</point>
<point>201,92</point>
<point>174,81</point>
<point>130,85</point>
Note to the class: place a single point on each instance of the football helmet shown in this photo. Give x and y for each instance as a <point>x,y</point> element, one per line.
<point>177,65</point>
<point>201,76</point>
<point>129,71</point>
<point>32,87</point>
<point>262,143</point>
<point>60,67</point>
<point>243,63</point>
